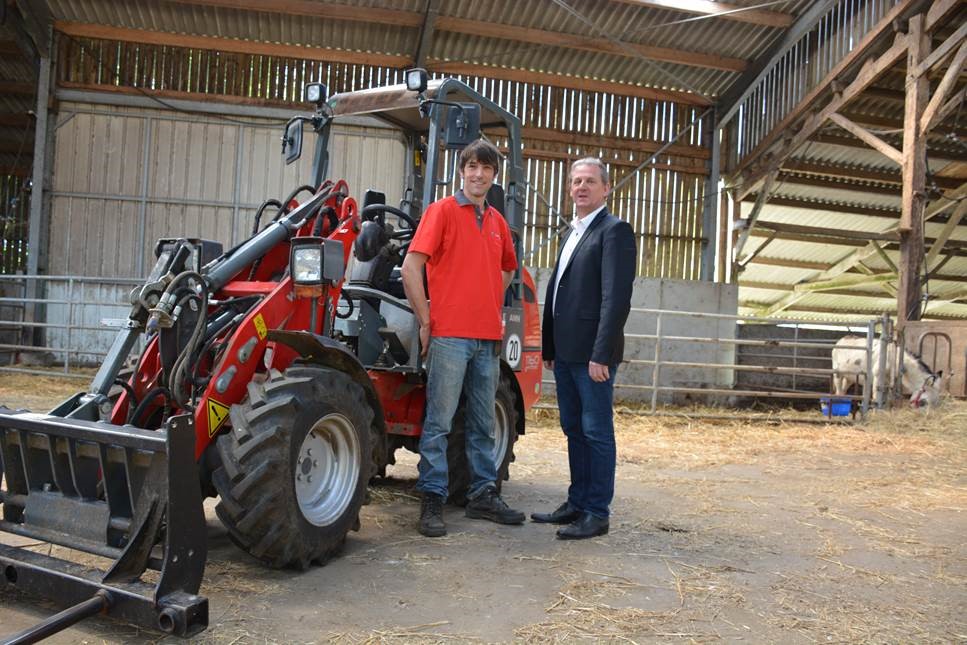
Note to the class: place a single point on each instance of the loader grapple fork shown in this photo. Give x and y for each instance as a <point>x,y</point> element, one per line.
<point>121,493</point>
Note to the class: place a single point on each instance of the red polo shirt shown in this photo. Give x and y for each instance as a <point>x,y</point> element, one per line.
<point>466,256</point>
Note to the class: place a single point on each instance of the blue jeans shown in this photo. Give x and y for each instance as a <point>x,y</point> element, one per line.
<point>456,365</point>
<point>587,418</point>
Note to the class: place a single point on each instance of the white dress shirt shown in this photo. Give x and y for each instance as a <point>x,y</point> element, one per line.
<point>578,226</point>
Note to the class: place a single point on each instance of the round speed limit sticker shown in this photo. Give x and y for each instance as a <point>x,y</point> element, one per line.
<point>512,350</point>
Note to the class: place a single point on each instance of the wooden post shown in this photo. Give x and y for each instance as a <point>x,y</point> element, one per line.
<point>914,177</point>
<point>736,216</point>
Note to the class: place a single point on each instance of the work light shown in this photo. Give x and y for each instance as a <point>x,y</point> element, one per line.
<point>314,262</point>
<point>316,93</point>
<point>416,79</point>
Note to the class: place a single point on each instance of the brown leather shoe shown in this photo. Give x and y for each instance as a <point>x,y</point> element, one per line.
<point>587,526</point>
<point>563,514</point>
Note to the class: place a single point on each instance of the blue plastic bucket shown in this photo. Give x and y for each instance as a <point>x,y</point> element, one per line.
<point>833,407</point>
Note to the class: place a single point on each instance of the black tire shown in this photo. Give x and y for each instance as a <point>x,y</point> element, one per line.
<point>505,419</point>
<point>261,461</point>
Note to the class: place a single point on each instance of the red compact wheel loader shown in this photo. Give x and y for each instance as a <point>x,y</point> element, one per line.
<point>280,376</point>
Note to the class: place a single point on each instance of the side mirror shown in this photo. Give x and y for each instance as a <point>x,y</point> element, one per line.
<point>292,140</point>
<point>463,125</point>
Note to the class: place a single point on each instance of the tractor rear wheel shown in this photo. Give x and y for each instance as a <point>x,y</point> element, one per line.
<point>505,435</point>
<point>295,465</point>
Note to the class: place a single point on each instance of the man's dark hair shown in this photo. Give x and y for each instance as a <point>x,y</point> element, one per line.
<point>481,151</point>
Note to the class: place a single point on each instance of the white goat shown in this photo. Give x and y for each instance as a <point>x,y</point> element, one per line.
<point>849,364</point>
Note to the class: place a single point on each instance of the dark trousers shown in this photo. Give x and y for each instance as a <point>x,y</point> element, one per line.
<point>587,418</point>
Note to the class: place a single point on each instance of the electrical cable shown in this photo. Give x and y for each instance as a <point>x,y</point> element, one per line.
<point>151,395</point>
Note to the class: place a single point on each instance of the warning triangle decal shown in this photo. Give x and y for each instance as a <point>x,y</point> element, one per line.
<point>217,413</point>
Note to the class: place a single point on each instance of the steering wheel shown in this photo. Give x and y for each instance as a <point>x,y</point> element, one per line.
<point>369,213</point>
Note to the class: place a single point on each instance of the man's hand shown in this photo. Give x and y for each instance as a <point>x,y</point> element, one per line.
<point>598,372</point>
<point>424,340</point>
<point>549,365</point>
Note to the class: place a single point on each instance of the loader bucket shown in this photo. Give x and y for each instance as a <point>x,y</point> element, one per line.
<point>128,495</point>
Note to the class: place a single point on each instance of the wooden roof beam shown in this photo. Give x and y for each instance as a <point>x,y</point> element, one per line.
<point>767,155</point>
<point>805,265</point>
<point>854,209</point>
<point>14,148</point>
<point>836,270</point>
<point>313,9</point>
<point>16,120</point>
<point>415,19</point>
<point>837,184</point>
<point>756,165</point>
<point>945,154</point>
<point>107,32</point>
<point>589,44</point>
<point>85,30</point>
<point>427,31</point>
<point>840,237</point>
<point>570,82</point>
<point>721,10</point>
<point>9,48</point>
<point>16,87</point>
<point>873,310</point>
<point>859,172</point>
<point>624,143</point>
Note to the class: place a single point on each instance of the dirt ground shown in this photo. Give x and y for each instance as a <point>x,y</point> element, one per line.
<point>761,531</point>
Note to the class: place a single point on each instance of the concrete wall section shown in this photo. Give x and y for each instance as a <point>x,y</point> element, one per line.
<point>784,356</point>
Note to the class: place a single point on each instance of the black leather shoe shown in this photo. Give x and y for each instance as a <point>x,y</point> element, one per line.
<point>563,514</point>
<point>586,526</point>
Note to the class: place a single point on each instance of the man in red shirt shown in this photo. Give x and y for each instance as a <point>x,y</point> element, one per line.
<point>466,248</point>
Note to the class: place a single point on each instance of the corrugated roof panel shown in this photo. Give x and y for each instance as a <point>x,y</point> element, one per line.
<point>845,155</point>
<point>767,273</point>
<point>824,219</point>
<point>584,18</point>
<point>834,195</point>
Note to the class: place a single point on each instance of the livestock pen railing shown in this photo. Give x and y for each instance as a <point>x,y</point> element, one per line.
<point>59,321</point>
<point>685,356</point>
<point>671,356</point>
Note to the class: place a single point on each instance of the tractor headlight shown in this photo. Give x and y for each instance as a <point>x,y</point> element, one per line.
<point>306,261</point>
<point>314,262</point>
<point>416,79</point>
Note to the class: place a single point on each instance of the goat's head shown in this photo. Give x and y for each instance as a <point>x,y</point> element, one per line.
<point>928,395</point>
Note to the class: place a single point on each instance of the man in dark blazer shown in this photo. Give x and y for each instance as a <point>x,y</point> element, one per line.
<point>585,309</point>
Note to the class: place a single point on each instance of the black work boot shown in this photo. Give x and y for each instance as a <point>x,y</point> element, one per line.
<point>488,506</point>
<point>431,516</point>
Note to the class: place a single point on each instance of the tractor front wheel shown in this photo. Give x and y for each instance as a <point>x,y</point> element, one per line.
<point>295,465</point>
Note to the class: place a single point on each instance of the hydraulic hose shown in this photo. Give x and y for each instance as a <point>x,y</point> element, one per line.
<point>127,388</point>
<point>283,209</point>
<point>148,398</point>
<point>180,372</point>
<point>258,213</point>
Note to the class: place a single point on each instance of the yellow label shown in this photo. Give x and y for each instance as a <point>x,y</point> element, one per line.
<point>260,327</point>
<point>217,413</point>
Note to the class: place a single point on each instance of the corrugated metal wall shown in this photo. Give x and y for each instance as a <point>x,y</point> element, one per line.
<point>663,203</point>
<point>124,177</point>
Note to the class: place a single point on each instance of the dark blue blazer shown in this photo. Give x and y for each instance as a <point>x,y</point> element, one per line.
<point>594,296</point>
